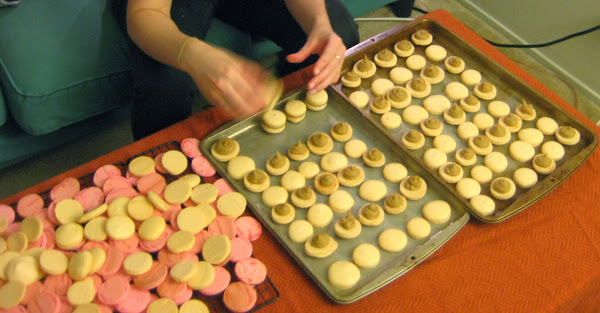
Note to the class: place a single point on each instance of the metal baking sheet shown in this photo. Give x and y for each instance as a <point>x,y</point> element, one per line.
<point>260,146</point>
<point>511,90</point>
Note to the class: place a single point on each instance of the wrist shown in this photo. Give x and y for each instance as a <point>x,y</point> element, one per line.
<point>188,53</point>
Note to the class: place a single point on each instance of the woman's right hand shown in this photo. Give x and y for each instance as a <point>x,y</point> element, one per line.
<point>226,79</point>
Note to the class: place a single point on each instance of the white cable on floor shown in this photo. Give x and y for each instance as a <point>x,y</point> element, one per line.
<point>383,19</point>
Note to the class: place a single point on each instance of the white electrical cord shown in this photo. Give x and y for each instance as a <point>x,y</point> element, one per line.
<point>383,19</point>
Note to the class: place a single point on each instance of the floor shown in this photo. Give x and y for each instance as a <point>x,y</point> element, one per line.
<point>118,133</point>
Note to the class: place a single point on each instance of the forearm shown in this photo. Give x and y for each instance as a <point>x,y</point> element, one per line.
<point>155,33</point>
<point>308,13</point>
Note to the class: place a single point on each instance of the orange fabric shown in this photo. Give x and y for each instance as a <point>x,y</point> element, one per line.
<point>544,259</point>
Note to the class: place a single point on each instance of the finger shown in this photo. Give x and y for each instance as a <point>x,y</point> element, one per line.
<point>330,79</point>
<point>329,52</point>
<point>328,75</point>
<point>304,52</point>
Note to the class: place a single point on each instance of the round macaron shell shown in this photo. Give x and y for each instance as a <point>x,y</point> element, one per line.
<point>251,271</point>
<point>113,290</point>
<point>220,282</point>
<point>241,248</point>
<point>29,204</point>
<point>137,300</point>
<point>223,225</point>
<point>248,227</point>
<point>239,297</point>
<point>45,302</point>
<point>191,147</point>
<point>201,166</point>
<point>66,189</point>
<point>153,278</point>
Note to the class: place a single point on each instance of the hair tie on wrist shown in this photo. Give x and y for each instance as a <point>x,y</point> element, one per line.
<point>185,43</point>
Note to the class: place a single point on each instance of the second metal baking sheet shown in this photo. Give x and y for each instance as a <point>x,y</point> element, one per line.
<point>260,146</point>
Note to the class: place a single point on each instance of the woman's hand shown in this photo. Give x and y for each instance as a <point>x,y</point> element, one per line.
<point>226,79</point>
<point>322,40</point>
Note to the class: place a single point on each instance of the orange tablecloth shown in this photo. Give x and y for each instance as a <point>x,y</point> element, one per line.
<point>545,259</point>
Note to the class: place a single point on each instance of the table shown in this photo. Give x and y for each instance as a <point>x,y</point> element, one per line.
<point>544,259</point>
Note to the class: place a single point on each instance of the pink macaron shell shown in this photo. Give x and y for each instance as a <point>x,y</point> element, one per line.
<point>251,271</point>
<point>239,297</point>
<point>137,301</point>
<point>43,216</point>
<point>201,166</point>
<point>96,279</point>
<point>132,178</point>
<point>153,278</point>
<point>223,186</point>
<point>66,189</point>
<point>113,262</point>
<point>29,204</point>
<point>128,192</point>
<point>126,245</point>
<point>121,273</point>
<point>153,298</point>
<point>241,248</point>
<point>12,228</point>
<point>184,296</point>
<point>222,225</point>
<point>51,213</point>
<point>200,239</point>
<point>40,243</point>
<point>167,214</point>
<point>113,290</point>
<point>8,212</point>
<point>171,289</point>
<point>169,259</point>
<point>191,147</point>
<point>105,172</point>
<point>115,182</point>
<point>32,291</point>
<point>50,235</point>
<point>155,245</point>
<point>151,182</point>
<point>90,198</point>
<point>65,306</point>
<point>58,284</point>
<point>44,302</point>
<point>158,163</point>
<point>16,309</point>
<point>92,244</point>
<point>173,219</point>
<point>248,227</point>
<point>221,281</point>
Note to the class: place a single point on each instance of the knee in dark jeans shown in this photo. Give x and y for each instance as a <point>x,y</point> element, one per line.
<point>342,22</point>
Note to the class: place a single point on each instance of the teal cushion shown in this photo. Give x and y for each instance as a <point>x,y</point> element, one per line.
<point>58,71</point>
<point>3,109</point>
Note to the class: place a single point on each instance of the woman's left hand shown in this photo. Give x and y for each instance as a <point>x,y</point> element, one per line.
<point>322,40</point>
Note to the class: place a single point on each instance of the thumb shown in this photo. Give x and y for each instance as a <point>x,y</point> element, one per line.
<point>303,53</point>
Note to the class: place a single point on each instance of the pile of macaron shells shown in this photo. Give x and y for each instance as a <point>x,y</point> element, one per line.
<point>152,240</point>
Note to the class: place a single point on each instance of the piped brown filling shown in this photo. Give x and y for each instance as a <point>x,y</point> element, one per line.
<point>365,64</point>
<point>348,221</point>
<point>256,177</point>
<point>385,55</point>
<point>413,183</point>
<point>413,136</point>
<point>278,161</point>
<point>371,211</point>
<point>225,146</point>
<point>501,186</point>
<point>320,240</point>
